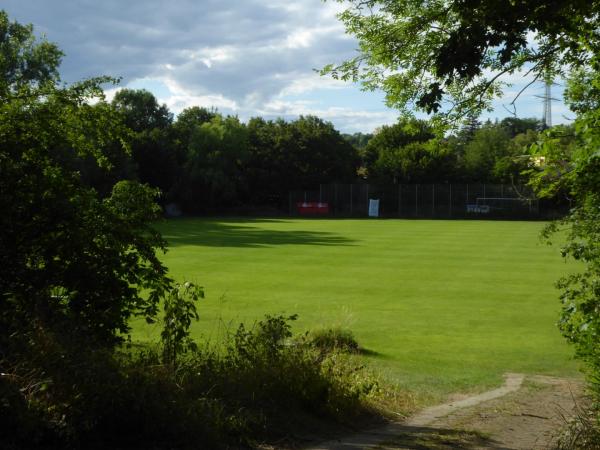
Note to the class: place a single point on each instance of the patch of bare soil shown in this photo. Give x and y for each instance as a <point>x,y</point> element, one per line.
<point>527,419</point>
<point>525,414</point>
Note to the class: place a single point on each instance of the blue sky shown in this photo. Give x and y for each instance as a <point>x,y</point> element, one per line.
<point>250,57</point>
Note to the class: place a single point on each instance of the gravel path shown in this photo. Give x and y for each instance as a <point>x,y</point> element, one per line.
<point>525,413</point>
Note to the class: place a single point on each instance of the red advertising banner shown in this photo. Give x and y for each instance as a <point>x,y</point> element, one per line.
<point>312,208</point>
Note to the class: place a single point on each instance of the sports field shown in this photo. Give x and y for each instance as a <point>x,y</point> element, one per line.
<point>442,306</point>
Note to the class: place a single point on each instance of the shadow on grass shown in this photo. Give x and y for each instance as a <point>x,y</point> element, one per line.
<point>397,436</point>
<point>242,233</point>
<point>425,438</point>
<point>368,352</point>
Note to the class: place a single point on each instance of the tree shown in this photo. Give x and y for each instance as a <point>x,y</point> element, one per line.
<point>323,154</point>
<point>449,55</point>
<point>515,126</point>
<point>358,140</point>
<point>295,155</point>
<point>489,144</point>
<point>188,120</point>
<point>515,167</point>
<point>151,139</point>
<point>25,61</point>
<point>416,162</point>
<point>384,156</point>
<point>76,267</point>
<point>216,153</point>
<point>269,171</point>
<point>141,111</point>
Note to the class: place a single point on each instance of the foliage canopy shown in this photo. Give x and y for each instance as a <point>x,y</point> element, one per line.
<point>449,56</point>
<point>74,264</point>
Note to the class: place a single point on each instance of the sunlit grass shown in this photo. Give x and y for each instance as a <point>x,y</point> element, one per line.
<point>443,306</point>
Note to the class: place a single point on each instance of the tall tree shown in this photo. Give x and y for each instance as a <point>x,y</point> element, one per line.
<point>324,155</point>
<point>295,155</point>
<point>189,119</point>
<point>489,144</point>
<point>141,110</point>
<point>151,140</point>
<point>24,60</point>
<point>416,162</point>
<point>515,125</point>
<point>216,153</point>
<point>358,140</point>
<point>384,157</point>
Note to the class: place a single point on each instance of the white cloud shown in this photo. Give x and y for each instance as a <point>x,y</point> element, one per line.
<point>180,98</point>
<point>347,119</point>
<point>301,38</point>
<point>311,82</point>
<point>211,55</point>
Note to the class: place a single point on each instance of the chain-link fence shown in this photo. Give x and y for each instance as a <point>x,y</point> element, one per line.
<point>442,201</point>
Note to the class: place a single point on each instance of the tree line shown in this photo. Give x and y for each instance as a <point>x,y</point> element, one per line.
<point>205,161</point>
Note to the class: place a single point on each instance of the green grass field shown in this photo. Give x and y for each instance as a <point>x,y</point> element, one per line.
<point>444,306</point>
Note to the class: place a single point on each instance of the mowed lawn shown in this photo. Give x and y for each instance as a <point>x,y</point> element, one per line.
<point>442,306</point>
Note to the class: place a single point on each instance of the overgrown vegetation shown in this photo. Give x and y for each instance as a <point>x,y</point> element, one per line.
<point>263,385</point>
<point>582,432</point>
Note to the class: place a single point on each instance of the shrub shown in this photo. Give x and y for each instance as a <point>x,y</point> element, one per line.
<point>333,339</point>
<point>179,311</point>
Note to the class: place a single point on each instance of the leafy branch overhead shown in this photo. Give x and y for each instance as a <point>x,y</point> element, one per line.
<point>449,57</point>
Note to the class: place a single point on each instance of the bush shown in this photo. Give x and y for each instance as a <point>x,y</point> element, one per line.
<point>333,339</point>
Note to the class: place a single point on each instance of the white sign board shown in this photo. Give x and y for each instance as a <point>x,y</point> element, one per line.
<point>373,207</point>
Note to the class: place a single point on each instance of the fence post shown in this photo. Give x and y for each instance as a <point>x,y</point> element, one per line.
<point>367,199</point>
<point>450,201</point>
<point>399,200</point>
<point>351,198</point>
<point>433,200</point>
<point>320,193</point>
<point>290,202</point>
<point>467,193</point>
<point>416,200</point>
<point>334,199</point>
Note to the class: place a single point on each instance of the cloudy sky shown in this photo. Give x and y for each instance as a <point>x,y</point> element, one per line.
<point>248,57</point>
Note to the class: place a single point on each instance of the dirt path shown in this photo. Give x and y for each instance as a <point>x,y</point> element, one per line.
<point>525,413</point>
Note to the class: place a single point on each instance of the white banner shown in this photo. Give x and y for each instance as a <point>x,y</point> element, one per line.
<point>373,207</point>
